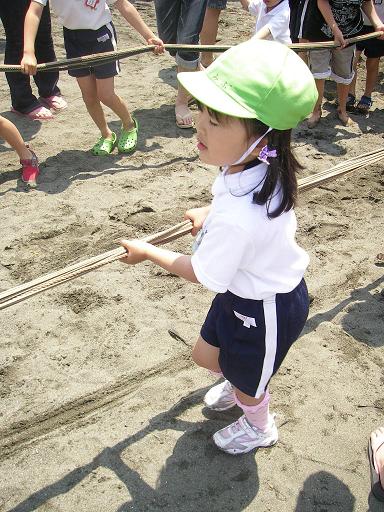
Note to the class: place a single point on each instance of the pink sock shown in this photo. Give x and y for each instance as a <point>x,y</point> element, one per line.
<point>257,415</point>
<point>215,374</point>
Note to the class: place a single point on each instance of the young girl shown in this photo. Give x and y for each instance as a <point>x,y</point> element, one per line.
<point>272,19</point>
<point>88,29</point>
<point>246,249</point>
<point>28,159</point>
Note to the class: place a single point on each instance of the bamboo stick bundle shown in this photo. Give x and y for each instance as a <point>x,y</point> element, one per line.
<point>24,291</point>
<point>101,58</point>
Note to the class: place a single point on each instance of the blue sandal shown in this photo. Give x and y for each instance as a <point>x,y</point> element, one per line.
<point>364,104</point>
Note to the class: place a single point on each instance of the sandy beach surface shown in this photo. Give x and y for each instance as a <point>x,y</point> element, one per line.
<point>101,404</point>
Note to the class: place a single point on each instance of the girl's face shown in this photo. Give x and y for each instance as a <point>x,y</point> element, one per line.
<point>221,142</point>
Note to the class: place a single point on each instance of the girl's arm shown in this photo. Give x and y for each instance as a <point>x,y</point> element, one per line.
<point>173,262</point>
<point>130,13</point>
<point>263,33</point>
<point>31,24</point>
<point>370,11</point>
<point>326,11</point>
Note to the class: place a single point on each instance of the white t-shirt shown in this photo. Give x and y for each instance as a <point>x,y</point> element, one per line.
<point>277,20</point>
<point>241,249</point>
<point>81,14</point>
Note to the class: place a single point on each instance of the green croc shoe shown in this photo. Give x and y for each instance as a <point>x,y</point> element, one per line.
<point>104,146</point>
<point>128,139</point>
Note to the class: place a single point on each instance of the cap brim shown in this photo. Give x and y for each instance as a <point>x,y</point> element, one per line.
<point>201,87</point>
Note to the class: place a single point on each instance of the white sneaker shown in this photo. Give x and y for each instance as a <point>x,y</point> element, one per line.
<point>242,437</point>
<point>221,397</point>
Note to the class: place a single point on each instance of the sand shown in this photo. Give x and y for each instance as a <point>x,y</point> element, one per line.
<point>101,404</point>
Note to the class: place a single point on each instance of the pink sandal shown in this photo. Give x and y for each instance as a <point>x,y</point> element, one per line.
<point>56,102</point>
<point>40,113</point>
<point>30,170</point>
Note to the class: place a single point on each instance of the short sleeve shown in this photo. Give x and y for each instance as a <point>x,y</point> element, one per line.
<point>279,28</point>
<point>41,2</point>
<point>220,255</point>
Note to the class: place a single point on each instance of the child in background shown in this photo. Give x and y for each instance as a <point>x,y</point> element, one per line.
<point>337,20</point>
<point>272,19</point>
<point>373,50</point>
<point>88,29</point>
<point>28,159</point>
<point>246,251</point>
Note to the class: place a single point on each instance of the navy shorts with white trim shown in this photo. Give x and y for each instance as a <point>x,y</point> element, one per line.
<point>254,336</point>
<point>79,43</point>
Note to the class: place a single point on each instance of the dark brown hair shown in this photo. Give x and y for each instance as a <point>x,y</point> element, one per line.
<point>281,170</point>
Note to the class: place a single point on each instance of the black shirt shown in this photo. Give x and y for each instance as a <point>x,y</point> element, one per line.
<point>347,14</point>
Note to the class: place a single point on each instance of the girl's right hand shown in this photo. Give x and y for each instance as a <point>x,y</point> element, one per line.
<point>197,216</point>
<point>28,64</point>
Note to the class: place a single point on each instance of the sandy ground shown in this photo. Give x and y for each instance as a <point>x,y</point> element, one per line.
<point>100,402</point>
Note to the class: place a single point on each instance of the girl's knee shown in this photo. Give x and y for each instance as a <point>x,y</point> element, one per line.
<point>108,97</point>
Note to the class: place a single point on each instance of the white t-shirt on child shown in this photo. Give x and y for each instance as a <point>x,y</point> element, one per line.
<point>81,14</point>
<point>277,20</point>
<point>241,249</point>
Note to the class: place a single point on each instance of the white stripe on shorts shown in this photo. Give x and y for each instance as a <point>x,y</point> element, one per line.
<point>114,44</point>
<point>303,13</point>
<point>270,318</point>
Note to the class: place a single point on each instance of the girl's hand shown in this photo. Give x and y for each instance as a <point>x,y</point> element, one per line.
<point>29,64</point>
<point>197,216</point>
<point>158,43</point>
<point>136,251</point>
<point>339,38</point>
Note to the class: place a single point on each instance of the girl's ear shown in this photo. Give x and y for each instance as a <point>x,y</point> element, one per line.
<point>263,142</point>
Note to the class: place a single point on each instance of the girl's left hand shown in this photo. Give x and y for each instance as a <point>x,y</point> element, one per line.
<point>158,43</point>
<point>136,251</point>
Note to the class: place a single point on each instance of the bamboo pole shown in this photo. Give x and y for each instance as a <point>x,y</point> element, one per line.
<point>102,58</point>
<point>43,283</point>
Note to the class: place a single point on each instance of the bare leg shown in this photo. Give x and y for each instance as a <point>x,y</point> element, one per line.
<point>342,93</point>
<point>248,400</point>
<point>11,134</point>
<point>372,74</point>
<point>182,111</point>
<point>206,355</point>
<point>352,87</point>
<point>88,89</point>
<point>106,94</point>
<point>316,114</point>
<point>208,33</point>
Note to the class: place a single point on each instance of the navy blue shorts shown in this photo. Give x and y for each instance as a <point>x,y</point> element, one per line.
<point>372,48</point>
<point>79,43</point>
<point>254,336</point>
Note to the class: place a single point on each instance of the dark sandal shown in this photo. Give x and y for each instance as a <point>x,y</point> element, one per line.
<point>128,139</point>
<point>351,101</point>
<point>104,146</point>
<point>364,104</point>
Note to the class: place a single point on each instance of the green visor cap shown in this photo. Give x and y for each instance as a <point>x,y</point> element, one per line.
<point>256,79</point>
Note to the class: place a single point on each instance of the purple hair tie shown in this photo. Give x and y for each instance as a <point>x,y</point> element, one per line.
<point>266,153</point>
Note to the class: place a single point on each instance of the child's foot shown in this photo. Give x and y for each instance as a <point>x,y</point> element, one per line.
<point>105,145</point>
<point>184,117</point>
<point>221,397</point>
<point>364,104</point>
<point>314,119</point>
<point>39,113</point>
<point>55,102</point>
<point>344,118</point>
<point>31,169</point>
<point>128,139</point>
<point>350,105</point>
<point>376,459</point>
<point>242,437</point>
